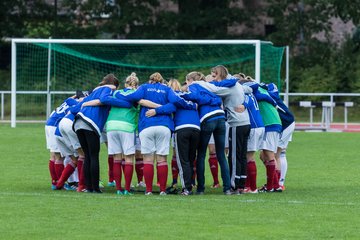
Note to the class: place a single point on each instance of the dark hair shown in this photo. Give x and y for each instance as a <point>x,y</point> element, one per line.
<point>109,79</point>
<point>81,94</point>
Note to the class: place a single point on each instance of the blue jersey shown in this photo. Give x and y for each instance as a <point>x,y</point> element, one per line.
<point>254,112</point>
<point>71,113</point>
<point>184,118</point>
<point>267,106</point>
<point>60,112</point>
<point>95,116</point>
<point>160,94</point>
<point>286,116</point>
<point>209,104</point>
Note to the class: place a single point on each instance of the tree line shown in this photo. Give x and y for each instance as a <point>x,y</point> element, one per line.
<point>316,65</point>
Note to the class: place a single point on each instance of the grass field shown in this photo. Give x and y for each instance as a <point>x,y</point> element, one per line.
<point>321,200</point>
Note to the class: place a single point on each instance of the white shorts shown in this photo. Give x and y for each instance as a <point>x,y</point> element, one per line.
<point>155,139</point>
<point>73,177</point>
<point>212,141</point>
<point>137,143</point>
<point>65,127</point>
<point>51,139</point>
<point>121,142</point>
<point>103,137</point>
<point>255,139</point>
<point>270,141</point>
<point>286,136</point>
<point>65,147</point>
<point>69,142</point>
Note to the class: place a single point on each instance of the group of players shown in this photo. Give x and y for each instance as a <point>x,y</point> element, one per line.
<point>230,115</point>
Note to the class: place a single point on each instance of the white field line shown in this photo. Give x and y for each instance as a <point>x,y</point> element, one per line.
<point>172,198</point>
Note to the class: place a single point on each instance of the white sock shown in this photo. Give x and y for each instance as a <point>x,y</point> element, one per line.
<point>283,169</point>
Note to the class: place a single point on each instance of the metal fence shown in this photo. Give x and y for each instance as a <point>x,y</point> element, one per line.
<point>318,104</point>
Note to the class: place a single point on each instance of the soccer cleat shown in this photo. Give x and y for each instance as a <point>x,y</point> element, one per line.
<point>186,192</point>
<point>239,191</point>
<point>265,190</point>
<point>148,193</point>
<point>127,193</point>
<point>172,190</point>
<point>282,187</point>
<point>141,184</point>
<point>87,191</point>
<point>199,193</point>
<point>228,192</point>
<point>215,185</point>
<point>80,188</point>
<point>67,187</point>
<point>101,184</point>
<point>119,192</point>
<point>111,184</point>
<point>248,190</point>
<point>53,186</point>
<point>97,191</point>
<point>279,190</point>
<point>162,193</point>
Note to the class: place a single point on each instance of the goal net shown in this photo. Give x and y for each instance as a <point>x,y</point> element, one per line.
<point>46,71</point>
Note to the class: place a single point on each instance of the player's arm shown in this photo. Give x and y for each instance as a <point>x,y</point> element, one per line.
<point>92,103</point>
<point>149,104</point>
<point>115,102</point>
<point>179,101</point>
<point>220,91</point>
<point>166,109</point>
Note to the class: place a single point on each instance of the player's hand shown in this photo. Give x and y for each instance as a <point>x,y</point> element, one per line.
<point>240,108</point>
<point>150,113</point>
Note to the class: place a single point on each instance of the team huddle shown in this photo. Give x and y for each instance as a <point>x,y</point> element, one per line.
<point>231,115</point>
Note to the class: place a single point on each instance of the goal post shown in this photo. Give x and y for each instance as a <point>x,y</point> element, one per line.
<point>45,71</point>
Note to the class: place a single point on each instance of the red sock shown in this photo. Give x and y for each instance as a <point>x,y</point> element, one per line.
<point>68,170</point>
<point>52,171</point>
<point>129,169</point>
<point>276,179</point>
<point>174,170</point>
<point>270,171</point>
<point>278,172</point>
<point>111,167</point>
<point>123,165</point>
<point>251,175</point>
<point>214,168</point>
<point>139,168</point>
<point>59,167</point>
<point>117,174</point>
<point>148,175</point>
<point>81,176</point>
<point>162,172</point>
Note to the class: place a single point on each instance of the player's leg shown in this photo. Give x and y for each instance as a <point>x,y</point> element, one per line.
<point>148,149</point>
<point>162,143</point>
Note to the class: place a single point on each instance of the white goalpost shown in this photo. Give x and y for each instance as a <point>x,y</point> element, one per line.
<point>55,50</point>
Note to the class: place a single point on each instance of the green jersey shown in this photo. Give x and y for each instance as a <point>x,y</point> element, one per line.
<point>122,119</point>
<point>268,112</point>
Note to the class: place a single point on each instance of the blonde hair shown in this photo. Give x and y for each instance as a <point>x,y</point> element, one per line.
<point>156,78</point>
<point>132,80</point>
<point>195,76</point>
<point>221,72</point>
<point>174,84</point>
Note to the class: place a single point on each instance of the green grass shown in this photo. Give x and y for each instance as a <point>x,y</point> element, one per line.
<point>321,201</point>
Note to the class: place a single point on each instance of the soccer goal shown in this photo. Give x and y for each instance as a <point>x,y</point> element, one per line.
<point>46,71</point>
